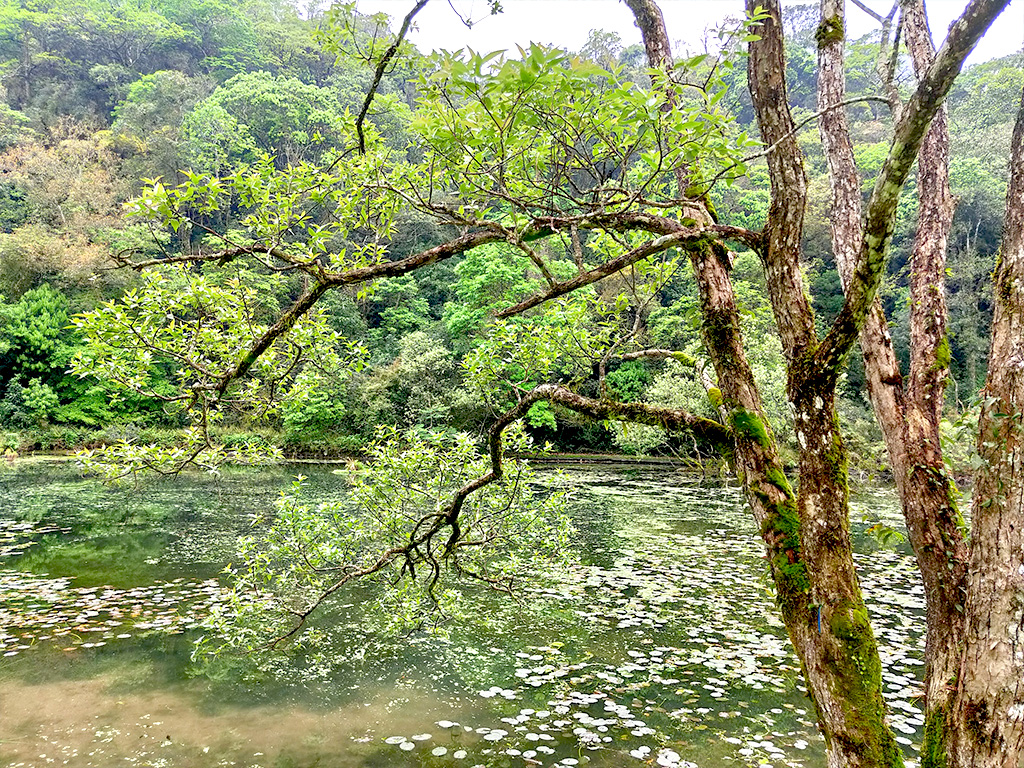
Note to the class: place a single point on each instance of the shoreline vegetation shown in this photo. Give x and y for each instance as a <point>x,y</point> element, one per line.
<point>56,444</point>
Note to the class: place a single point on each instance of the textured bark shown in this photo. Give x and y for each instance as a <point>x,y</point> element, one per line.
<point>909,420</point>
<point>880,216</point>
<point>784,229</point>
<point>840,660</point>
<point>988,713</point>
<point>806,535</point>
<point>933,518</point>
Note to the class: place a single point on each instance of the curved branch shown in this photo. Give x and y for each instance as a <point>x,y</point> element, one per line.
<point>671,419</point>
<point>784,228</point>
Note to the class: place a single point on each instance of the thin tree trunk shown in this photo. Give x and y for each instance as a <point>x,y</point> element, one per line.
<point>929,505</point>
<point>987,719</point>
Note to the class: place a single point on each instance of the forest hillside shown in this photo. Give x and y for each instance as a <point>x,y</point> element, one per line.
<point>102,100</point>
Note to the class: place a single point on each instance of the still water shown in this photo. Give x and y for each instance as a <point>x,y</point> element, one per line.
<point>661,647</point>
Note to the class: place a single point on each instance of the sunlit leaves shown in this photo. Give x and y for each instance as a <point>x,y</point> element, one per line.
<point>180,337</point>
<point>119,461</point>
<point>560,345</point>
<point>550,133</point>
<point>311,216</point>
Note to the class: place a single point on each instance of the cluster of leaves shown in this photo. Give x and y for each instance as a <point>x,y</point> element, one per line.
<point>552,133</point>
<point>35,351</point>
<point>180,338</point>
<point>390,545</point>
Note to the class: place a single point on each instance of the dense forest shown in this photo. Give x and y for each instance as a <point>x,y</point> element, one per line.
<point>100,99</point>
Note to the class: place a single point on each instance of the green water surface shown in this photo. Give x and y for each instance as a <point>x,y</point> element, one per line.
<point>661,647</point>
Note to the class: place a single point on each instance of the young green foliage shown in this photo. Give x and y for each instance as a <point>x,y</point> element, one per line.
<point>393,533</point>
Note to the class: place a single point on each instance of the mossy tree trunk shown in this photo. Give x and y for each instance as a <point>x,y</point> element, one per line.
<point>835,640</point>
<point>807,534</point>
<point>909,417</point>
<point>986,725</point>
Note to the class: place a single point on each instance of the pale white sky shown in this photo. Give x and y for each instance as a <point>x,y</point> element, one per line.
<point>566,23</point>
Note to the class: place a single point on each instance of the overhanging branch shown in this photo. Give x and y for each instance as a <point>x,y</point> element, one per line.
<point>685,237</point>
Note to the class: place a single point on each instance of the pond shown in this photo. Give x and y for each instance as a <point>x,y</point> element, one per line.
<point>661,647</point>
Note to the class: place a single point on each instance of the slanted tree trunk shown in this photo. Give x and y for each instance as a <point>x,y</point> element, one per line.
<point>987,720</point>
<point>806,535</point>
<point>909,418</point>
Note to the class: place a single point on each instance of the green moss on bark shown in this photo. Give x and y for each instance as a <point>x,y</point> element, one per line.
<point>750,426</point>
<point>858,672</point>
<point>781,531</point>
<point>942,355</point>
<point>933,748</point>
<point>829,31</point>
<point>715,397</point>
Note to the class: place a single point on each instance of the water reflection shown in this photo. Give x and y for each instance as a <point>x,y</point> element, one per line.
<point>660,648</point>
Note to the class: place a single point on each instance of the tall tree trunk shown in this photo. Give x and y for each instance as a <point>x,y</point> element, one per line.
<point>909,420</point>
<point>987,720</point>
<point>929,504</point>
<point>806,535</point>
<point>841,662</point>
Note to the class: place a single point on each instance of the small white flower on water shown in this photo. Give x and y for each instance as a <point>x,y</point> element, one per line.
<point>394,739</point>
<point>446,724</point>
<point>439,751</point>
<point>421,737</point>
<point>640,752</point>
<point>459,754</point>
<point>406,745</point>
